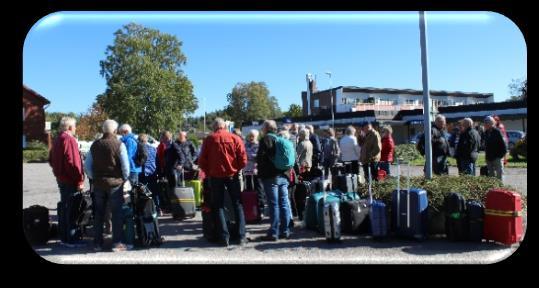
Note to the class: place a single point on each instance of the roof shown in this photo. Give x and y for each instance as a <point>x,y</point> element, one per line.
<point>408,91</point>
<point>36,95</point>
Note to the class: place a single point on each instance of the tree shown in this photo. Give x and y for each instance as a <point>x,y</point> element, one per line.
<point>294,111</point>
<point>251,101</point>
<point>90,123</point>
<point>518,89</point>
<point>146,86</point>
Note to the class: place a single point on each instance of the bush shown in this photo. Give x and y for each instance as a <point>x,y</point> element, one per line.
<point>35,155</point>
<point>36,145</point>
<point>471,187</point>
<point>407,153</point>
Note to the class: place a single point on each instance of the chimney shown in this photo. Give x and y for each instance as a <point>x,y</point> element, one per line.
<point>309,79</point>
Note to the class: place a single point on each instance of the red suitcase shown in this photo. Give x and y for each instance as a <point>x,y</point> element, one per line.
<point>503,217</point>
<point>249,201</point>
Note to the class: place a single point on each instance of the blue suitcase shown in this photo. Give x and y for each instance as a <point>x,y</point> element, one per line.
<point>409,210</point>
<point>377,215</point>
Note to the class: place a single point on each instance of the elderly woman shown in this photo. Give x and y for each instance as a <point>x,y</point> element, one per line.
<point>388,148</point>
<point>304,151</point>
<point>250,171</point>
<point>350,150</point>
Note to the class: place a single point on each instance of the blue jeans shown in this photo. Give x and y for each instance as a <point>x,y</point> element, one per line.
<point>66,192</point>
<point>279,206</point>
<point>385,166</point>
<point>101,198</point>
<point>232,186</point>
<point>467,167</point>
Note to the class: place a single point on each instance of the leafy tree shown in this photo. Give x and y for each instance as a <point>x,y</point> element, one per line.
<point>90,123</point>
<point>146,86</point>
<point>518,89</point>
<point>294,110</point>
<point>251,101</point>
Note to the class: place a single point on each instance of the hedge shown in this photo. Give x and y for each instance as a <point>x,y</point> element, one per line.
<point>35,155</point>
<point>471,187</point>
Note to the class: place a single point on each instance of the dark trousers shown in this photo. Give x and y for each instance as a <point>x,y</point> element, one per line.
<point>351,167</point>
<point>466,167</point>
<point>151,182</point>
<point>253,180</point>
<point>230,185</point>
<point>66,200</point>
<point>113,195</point>
<point>374,170</point>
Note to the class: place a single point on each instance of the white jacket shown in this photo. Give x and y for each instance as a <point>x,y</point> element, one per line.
<point>350,150</point>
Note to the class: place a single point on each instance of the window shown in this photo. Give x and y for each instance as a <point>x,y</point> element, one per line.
<point>410,101</point>
<point>316,103</point>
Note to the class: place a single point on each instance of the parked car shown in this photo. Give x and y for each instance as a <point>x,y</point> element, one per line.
<point>514,136</point>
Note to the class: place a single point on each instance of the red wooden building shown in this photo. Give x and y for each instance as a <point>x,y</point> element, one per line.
<point>33,116</point>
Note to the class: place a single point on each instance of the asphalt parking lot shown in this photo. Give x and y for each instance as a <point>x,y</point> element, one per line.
<point>184,242</point>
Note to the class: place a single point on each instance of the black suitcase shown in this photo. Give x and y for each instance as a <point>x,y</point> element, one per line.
<point>146,221</point>
<point>36,224</point>
<point>475,211</point>
<point>301,192</point>
<point>81,216</point>
<point>162,193</point>
<point>353,214</point>
<point>345,183</point>
<point>455,219</point>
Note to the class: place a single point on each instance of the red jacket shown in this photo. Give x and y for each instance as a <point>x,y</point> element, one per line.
<point>222,154</point>
<point>388,148</point>
<point>65,161</point>
<point>161,157</point>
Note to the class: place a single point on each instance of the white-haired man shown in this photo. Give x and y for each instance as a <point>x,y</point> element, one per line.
<point>317,147</point>
<point>221,158</point>
<point>440,146</point>
<point>66,163</point>
<point>131,145</point>
<point>107,165</point>
<point>495,148</point>
<point>468,148</point>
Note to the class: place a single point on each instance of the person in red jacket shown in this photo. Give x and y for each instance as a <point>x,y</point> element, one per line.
<point>164,143</point>
<point>388,148</point>
<point>66,163</point>
<point>222,157</point>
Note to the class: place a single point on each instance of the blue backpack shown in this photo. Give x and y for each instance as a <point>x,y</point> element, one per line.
<point>285,156</point>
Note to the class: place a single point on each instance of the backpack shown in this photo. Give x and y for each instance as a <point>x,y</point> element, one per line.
<point>141,156</point>
<point>285,155</point>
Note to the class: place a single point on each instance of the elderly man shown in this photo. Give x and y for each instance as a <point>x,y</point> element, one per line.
<point>275,184</point>
<point>440,146</point>
<point>221,158</point>
<point>131,145</point>
<point>180,157</point>
<point>317,147</point>
<point>495,148</point>
<point>164,143</point>
<point>468,148</point>
<point>107,164</point>
<point>370,151</point>
<point>148,176</point>
<point>293,131</point>
<point>66,163</point>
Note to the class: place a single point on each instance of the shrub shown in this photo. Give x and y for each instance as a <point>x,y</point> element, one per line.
<point>471,187</point>
<point>520,149</point>
<point>35,155</point>
<point>36,145</point>
<point>407,153</point>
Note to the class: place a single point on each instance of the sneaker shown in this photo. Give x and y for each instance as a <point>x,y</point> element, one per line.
<point>119,247</point>
<point>268,238</point>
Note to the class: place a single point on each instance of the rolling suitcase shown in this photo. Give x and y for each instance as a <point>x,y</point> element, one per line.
<point>197,190</point>
<point>36,224</point>
<point>182,200</point>
<point>411,215</point>
<point>332,221</point>
<point>345,183</point>
<point>377,215</point>
<point>249,201</point>
<point>146,222</point>
<point>475,211</point>
<point>163,194</point>
<point>327,198</point>
<point>353,213</point>
<point>311,210</point>
<point>503,217</point>
<point>455,221</point>
<point>302,191</point>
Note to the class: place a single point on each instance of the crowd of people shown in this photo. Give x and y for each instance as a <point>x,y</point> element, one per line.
<point>226,157</point>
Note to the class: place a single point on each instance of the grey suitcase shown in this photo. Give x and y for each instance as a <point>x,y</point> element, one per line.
<point>332,221</point>
<point>182,200</point>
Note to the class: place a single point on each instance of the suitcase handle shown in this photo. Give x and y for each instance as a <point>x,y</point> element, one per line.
<point>408,198</point>
<point>398,194</point>
<point>370,185</point>
<point>182,178</point>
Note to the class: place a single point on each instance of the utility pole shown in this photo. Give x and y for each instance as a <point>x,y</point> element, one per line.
<point>331,96</point>
<point>426,95</point>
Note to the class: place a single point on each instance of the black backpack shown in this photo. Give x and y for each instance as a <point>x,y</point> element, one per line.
<point>141,155</point>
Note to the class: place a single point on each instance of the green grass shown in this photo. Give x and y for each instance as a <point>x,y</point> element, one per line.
<point>512,163</point>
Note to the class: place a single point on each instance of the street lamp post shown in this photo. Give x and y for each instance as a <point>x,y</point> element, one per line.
<point>331,96</point>
<point>204,116</point>
<point>426,95</point>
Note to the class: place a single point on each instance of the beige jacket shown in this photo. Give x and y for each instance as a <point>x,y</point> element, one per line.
<point>372,146</point>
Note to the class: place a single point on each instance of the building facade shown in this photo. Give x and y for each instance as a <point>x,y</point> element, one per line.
<point>33,116</point>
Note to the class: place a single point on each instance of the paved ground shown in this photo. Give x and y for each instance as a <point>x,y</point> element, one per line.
<point>183,242</point>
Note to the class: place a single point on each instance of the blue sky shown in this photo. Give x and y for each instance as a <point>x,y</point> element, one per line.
<point>472,52</point>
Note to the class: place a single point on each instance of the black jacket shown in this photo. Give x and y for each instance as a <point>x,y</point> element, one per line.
<point>266,151</point>
<point>183,154</point>
<point>440,145</point>
<point>495,146</point>
<point>317,148</point>
<point>468,145</point>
